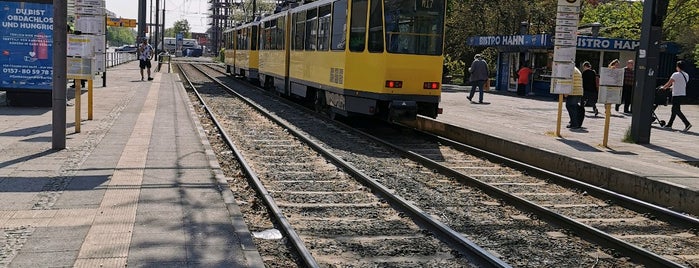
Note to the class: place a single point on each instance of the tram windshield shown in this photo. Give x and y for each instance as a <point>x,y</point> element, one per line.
<point>414,26</point>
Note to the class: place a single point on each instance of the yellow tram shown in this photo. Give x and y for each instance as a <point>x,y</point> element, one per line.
<point>391,67</point>
<point>242,55</point>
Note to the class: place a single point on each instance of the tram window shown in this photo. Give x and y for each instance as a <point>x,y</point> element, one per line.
<point>375,27</point>
<point>299,30</point>
<point>280,33</point>
<point>272,33</point>
<point>323,27</point>
<point>339,19</point>
<point>311,29</point>
<point>414,27</point>
<point>358,25</point>
<point>253,38</point>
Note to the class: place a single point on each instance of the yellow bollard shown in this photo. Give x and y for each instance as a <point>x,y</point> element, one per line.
<point>607,115</point>
<point>89,99</point>
<point>560,114</point>
<point>78,90</point>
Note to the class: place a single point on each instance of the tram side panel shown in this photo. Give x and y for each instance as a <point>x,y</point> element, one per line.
<point>273,53</point>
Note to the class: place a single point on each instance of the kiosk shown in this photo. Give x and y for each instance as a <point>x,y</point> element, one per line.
<point>537,51</point>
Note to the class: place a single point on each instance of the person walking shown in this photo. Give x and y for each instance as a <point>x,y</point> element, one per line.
<point>145,54</point>
<point>576,112</point>
<point>523,79</point>
<point>590,84</point>
<point>627,89</point>
<point>479,74</point>
<point>678,81</point>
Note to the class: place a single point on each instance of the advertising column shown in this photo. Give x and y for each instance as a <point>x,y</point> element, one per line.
<point>26,56</point>
<point>565,41</point>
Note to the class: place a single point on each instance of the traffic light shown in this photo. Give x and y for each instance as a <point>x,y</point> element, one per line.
<point>659,12</point>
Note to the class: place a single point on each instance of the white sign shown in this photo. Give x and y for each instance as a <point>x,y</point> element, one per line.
<point>562,86</point>
<point>80,46</point>
<point>566,29</point>
<point>95,11</point>
<point>611,77</point>
<point>570,9</point>
<point>566,22</point>
<point>565,42</point>
<point>90,3</point>
<point>609,95</point>
<point>79,68</point>
<point>563,70</point>
<point>567,16</point>
<point>564,54</point>
<point>90,24</point>
<point>99,63</point>
<point>567,36</point>
<point>569,3</point>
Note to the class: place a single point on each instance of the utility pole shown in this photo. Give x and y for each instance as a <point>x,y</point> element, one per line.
<point>141,20</point>
<point>646,70</point>
<point>157,28</point>
<point>60,37</point>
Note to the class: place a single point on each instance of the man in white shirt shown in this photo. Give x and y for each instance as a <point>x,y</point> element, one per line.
<point>678,81</point>
<point>145,54</point>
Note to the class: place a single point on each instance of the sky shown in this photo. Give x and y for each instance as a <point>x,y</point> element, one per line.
<point>194,11</point>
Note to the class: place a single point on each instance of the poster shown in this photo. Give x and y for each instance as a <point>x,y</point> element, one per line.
<point>26,56</point>
<point>562,86</point>
<point>609,95</point>
<point>79,68</point>
<point>611,77</point>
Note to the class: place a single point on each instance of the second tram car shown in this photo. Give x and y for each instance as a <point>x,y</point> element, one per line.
<point>354,57</point>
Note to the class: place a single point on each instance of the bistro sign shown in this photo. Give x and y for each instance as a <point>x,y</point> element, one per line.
<point>546,41</point>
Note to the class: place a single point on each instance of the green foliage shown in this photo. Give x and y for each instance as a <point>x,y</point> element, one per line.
<point>619,19</point>
<point>118,36</point>
<point>243,14</point>
<point>180,26</point>
<point>466,18</point>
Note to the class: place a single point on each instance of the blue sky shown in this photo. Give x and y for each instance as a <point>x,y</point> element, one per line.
<point>194,11</point>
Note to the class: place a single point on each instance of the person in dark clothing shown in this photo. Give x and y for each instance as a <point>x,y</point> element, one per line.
<point>479,74</point>
<point>589,83</point>
<point>627,89</point>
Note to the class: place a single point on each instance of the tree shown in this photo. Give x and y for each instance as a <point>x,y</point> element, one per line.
<point>622,19</point>
<point>180,26</point>
<point>118,36</point>
<point>243,13</point>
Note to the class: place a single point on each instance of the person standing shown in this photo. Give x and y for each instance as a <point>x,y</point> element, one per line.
<point>523,78</point>
<point>479,74</point>
<point>145,54</point>
<point>590,84</point>
<point>678,81</point>
<point>576,112</point>
<point>627,90</point>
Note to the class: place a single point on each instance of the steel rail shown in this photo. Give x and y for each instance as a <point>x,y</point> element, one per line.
<point>295,239</point>
<point>584,231</point>
<point>483,258</point>
<point>670,216</point>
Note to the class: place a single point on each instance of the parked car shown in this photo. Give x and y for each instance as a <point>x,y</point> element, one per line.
<point>127,48</point>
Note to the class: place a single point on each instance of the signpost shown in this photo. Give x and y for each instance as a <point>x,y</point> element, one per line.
<point>84,48</point>
<point>564,52</point>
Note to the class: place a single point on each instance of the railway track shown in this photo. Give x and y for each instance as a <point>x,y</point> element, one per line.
<point>514,233</point>
<point>335,218</point>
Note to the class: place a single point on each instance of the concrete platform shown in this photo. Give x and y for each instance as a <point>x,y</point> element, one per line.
<point>663,172</point>
<point>138,186</point>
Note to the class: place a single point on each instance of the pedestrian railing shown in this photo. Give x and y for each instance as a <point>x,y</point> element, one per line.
<point>117,58</point>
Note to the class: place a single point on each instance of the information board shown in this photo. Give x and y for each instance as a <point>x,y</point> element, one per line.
<point>26,56</point>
